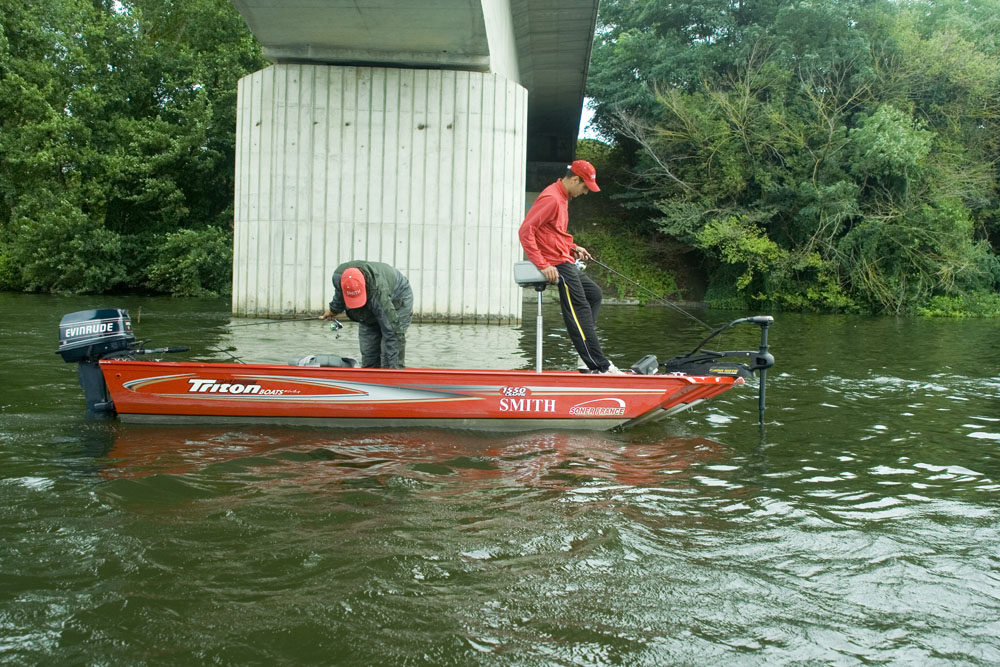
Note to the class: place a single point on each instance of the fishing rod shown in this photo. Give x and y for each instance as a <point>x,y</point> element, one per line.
<point>334,325</point>
<point>141,349</point>
<point>270,320</point>
<point>761,320</point>
<point>659,297</point>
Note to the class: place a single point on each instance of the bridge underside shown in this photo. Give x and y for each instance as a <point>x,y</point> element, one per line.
<point>545,47</point>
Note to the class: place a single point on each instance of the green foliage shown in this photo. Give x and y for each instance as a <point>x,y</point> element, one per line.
<point>631,256</point>
<point>122,115</point>
<point>595,152</point>
<point>819,156</point>
<point>888,144</point>
<point>806,282</point>
<point>740,243</point>
<point>976,304</point>
<point>59,248</point>
<point>193,263</point>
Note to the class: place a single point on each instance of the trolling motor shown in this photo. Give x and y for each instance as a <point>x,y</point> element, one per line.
<point>86,337</point>
<point>707,362</point>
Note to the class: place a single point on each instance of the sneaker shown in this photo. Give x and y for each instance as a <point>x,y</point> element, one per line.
<point>581,365</point>
<point>613,370</point>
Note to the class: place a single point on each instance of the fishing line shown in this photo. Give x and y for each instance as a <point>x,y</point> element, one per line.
<point>662,299</point>
<point>226,352</point>
<point>335,324</point>
<point>279,321</point>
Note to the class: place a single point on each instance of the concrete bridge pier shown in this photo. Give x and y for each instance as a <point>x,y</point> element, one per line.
<point>423,169</point>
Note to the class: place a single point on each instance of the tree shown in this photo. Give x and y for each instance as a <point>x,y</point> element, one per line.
<point>117,129</point>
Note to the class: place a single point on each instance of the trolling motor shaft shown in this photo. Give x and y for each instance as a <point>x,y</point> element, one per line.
<point>762,362</point>
<point>759,361</point>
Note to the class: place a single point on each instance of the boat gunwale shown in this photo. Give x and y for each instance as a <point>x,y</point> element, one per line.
<point>489,372</point>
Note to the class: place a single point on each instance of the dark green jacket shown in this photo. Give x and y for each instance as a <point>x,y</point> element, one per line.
<point>386,289</point>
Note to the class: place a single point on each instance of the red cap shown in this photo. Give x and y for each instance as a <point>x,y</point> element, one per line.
<point>586,171</point>
<point>352,284</point>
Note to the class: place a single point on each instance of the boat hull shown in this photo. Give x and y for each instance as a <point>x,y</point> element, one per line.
<point>162,392</point>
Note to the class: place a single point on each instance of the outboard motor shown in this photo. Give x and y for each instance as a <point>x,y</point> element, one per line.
<point>85,338</point>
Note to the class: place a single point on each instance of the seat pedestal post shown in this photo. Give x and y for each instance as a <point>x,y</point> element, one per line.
<point>527,274</point>
<point>538,333</point>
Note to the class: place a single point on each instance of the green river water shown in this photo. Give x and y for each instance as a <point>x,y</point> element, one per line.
<point>860,525</point>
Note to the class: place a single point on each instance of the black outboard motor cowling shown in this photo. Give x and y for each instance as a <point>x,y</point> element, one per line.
<point>86,337</point>
<point>91,334</point>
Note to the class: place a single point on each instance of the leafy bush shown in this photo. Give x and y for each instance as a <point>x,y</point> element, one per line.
<point>632,257</point>
<point>969,305</point>
<point>889,143</point>
<point>740,243</point>
<point>60,249</point>
<point>117,129</point>
<point>806,283</point>
<point>193,263</point>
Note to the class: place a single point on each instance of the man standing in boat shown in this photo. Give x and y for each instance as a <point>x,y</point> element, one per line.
<point>379,298</point>
<point>551,248</point>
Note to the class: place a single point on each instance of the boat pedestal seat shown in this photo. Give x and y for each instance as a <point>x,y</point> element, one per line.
<point>527,274</point>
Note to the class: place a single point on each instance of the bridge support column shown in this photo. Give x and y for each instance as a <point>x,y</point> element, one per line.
<point>421,169</point>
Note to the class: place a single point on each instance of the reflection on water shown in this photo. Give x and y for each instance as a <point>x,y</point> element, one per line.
<point>554,460</point>
<point>859,525</point>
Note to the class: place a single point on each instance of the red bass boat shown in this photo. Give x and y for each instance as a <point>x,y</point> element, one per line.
<point>332,390</point>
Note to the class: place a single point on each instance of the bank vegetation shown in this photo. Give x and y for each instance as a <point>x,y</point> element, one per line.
<point>835,156</point>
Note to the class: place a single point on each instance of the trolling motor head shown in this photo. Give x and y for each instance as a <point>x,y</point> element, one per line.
<point>712,363</point>
<point>762,359</point>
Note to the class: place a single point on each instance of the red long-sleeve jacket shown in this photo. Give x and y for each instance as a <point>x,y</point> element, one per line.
<point>543,233</point>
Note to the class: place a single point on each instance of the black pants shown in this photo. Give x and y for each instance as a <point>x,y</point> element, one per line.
<point>580,299</point>
<point>370,335</point>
